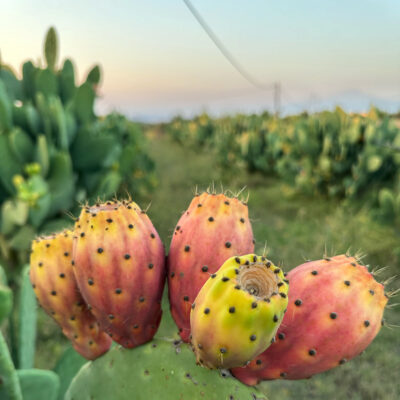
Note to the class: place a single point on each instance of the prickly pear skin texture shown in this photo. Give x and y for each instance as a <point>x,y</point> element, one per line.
<point>159,370</point>
<point>229,325</point>
<point>213,229</point>
<point>335,311</point>
<point>120,269</point>
<point>55,287</point>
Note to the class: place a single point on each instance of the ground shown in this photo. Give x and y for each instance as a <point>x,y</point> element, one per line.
<point>292,229</point>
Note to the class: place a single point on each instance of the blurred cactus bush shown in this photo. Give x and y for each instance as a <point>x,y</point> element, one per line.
<point>329,153</point>
<point>55,152</point>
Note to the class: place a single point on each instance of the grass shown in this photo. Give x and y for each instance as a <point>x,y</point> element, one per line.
<point>293,228</point>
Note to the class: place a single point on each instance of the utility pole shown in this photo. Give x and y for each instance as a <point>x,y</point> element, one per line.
<point>277,98</point>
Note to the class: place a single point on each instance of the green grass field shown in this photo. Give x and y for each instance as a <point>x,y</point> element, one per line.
<point>293,229</point>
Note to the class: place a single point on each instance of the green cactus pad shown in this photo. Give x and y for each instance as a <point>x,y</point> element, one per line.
<point>157,370</point>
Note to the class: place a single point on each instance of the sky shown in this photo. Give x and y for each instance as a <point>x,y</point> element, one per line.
<point>157,61</point>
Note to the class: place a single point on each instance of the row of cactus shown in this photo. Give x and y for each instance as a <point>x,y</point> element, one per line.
<point>55,151</point>
<point>330,153</point>
<point>103,281</point>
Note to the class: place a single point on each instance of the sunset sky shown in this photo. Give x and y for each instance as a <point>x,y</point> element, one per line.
<point>157,61</point>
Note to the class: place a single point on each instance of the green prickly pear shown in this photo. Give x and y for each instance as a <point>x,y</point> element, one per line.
<point>237,312</point>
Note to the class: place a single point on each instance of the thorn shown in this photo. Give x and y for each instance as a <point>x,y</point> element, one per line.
<point>389,280</point>
<point>390,306</point>
<point>393,293</point>
<point>378,271</point>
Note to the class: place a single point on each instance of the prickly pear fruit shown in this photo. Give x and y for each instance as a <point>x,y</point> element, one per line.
<point>335,311</point>
<point>237,312</point>
<point>57,292</point>
<point>120,269</point>
<point>214,228</point>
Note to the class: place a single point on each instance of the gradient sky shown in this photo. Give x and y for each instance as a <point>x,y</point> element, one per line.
<point>157,60</point>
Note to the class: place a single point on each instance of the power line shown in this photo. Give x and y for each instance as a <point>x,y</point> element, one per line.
<point>228,55</point>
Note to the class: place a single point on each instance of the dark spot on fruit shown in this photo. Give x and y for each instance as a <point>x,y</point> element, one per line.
<point>213,276</point>
<point>204,268</point>
<point>200,346</point>
<point>193,306</point>
<point>314,272</point>
<point>372,292</point>
<point>186,298</point>
<point>40,264</point>
<point>72,318</point>
<point>82,234</point>
<point>342,361</point>
<point>141,299</point>
<point>254,304</point>
<point>273,340</point>
<point>236,271</point>
<point>207,311</point>
<point>327,259</point>
<point>228,245</point>
<point>211,219</point>
<point>199,205</point>
<point>100,250</point>
<point>136,326</point>
<point>62,275</point>
<point>90,282</point>
<point>109,220</point>
<point>312,352</point>
<point>66,254</point>
<point>150,266</point>
<point>275,319</point>
<point>53,292</point>
<point>281,336</point>
<point>366,323</point>
<point>333,315</point>
<point>130,226</point>
<point>172,274</point>
<point>354,264</point>
<point>347,283</point>
<point>118,291</point>
<point>225,279</point>
<point>283,374</point>
<point>242,220</point>
<point>47,245</point>
<point>187,248</point>
<point>258,362</point>
<point>298,302</point>
<point>277,270</point>
<point>283,295</point>
<point>178,227</point>
<point>226,202</point>
<point>280,284</point>
<point>127,256</point>
<point>237,259</point>
<point>231,310</point>
<point>237,287</point>
<point>110,316</point>
<point>222,350</point>
<point>268,264</point>
<point>152,235</point>
<point>247,262</point>
<point>253,338</point>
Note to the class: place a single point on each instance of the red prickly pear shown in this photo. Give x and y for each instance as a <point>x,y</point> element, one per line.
<point>335,311</point>
<point>120,269</point>
<point>213,229</point>
<point>237,312</point>
<point>55,287</point>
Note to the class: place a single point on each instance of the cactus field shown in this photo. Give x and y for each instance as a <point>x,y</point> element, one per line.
<point>245,257</point>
